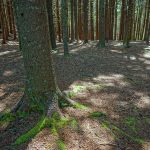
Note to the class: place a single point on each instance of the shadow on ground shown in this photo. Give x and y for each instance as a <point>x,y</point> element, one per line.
<point>112,80</point>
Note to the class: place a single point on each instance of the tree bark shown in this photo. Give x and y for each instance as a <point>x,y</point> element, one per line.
<point>64,20</point>
<point>101,43</point>
<point>51,24</point>
<point>41,88</point>
<point>85,13</point>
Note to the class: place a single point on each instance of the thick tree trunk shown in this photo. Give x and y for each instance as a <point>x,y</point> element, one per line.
<point>51,24</point>
<point>41,87</point>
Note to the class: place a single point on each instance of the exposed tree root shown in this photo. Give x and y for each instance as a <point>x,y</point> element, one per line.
<point>52,106</point>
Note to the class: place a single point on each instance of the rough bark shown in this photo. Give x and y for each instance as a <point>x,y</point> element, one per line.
<point>101,43</point>
<point>51,24</point>
<point>91,20</point>
<point>64,20</point>
<point>85,26</point>
<point>33,28</point>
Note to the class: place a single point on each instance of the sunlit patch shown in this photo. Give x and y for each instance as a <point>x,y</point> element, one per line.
<point>7,52</point>
<point>147,54</point>
<point>144,102</point>
<point>118,44</point>
<point>7,73</point>
<point>111,80</point>
<point>2,107</point>
<point>116,51</point>
<point>12,43</point>
<point>147,48</point>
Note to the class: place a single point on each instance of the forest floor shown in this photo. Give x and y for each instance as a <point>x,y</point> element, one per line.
<point>113,84</point>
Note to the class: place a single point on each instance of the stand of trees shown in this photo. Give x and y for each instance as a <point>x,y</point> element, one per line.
<point>40,23</point>
<point>85,20</point>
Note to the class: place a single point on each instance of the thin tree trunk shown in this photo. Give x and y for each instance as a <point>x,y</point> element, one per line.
<point>72,20</point>
<point>85,12</point>
<point>76,20</point>
<point>97,27</point>
<point>101,43</point>
<point>58,21</point>
<point>91,20</point>
<point>64,20</point>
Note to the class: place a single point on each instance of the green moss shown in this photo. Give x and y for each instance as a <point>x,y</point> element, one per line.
<point>22,114</point>
<point>80,106</point>
<point>63,104</point>
<point>61,145</point>
<point>115,131</point>
<point>131,123</point>
<point>30,134</point>
<point>74,124</point>
<point>54,123</point>
<point>6,118</point>
<point>97,114</point>
<point>147,120</point>
<point>76,89</point>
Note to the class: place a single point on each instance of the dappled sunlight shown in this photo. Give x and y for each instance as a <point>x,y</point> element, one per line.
<point>8,73</point>
<point>7,52</point>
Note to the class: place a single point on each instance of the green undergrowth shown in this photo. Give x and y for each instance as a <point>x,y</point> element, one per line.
<point>6,118</point>
<point>80,106</point>
<point>61,145</point>
<point>131,123</point>
<point>76,89</point>
<point>63,104</point>
<point>54,123</point>
<point>97,114</point>
<point>116,132</point>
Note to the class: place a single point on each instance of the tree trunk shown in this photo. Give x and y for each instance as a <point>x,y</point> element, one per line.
<point>97,31</point>
<point>72,21</point>
<point>58,21</point>
<point>91,20</point>
<point>51,23</point>
<point>147,28</point>
<point>85,13</point>
<point>101,43</point>
<point>64,20</point>
<point>76,20</point>
<point>79,19</point>
<point>41,88</point>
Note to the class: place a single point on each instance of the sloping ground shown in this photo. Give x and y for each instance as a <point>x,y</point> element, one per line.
<point>113,82</point>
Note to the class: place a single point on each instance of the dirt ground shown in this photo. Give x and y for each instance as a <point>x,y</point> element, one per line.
<point>114,81</point>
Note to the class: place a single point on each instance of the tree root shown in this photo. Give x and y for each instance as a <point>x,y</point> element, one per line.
<point>51,108</point>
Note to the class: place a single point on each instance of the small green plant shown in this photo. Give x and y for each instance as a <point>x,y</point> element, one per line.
<point>131,123</point>
<point>115,131</point>
<point>74,123</point>
<point>76,89</point>
<point>22,114</point>
<point>61,145</point>
<point>97,114</point>
<point>6,118</point>
<point>80,106</point>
